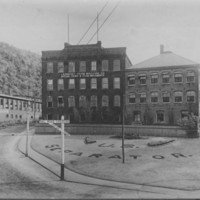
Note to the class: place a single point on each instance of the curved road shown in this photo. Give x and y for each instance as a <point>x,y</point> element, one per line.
<point>21,177</point>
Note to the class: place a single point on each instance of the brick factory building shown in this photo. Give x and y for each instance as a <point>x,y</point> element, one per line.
<point>85,83</point>
<point>162,90</point>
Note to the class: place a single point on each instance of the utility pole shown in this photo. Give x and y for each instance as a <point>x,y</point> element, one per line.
<point>97,26</point>
<point>123,155</point>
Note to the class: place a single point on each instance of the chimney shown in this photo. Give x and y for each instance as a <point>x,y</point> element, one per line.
<point>161,49</point>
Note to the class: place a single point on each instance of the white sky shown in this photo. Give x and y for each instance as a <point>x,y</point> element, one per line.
<point>139,25</point>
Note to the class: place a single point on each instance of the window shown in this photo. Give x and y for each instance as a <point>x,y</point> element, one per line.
<point>116,83</point>
<point>71,101</point>
<point>60,101</point>
<point>143,98</point>
<point>191,96</point>
<point>178,78</point>
<point>190,76</point>
<point>117,100</point>
<point>93,83</point>
<point>131,80</point>
<point>104,65</point>
<point>60,67</point>
<point>165,77</point>
<point>104,83</point>
<point>2,103</point>
<point>49,67</point>
<point>82,83</point>
<point>105,101</point>
<point>20,105</point>
<point>71,83</point>
<point>116,65</point>
<point>49,102</point>
<point>11,104</point>
<point>49,117</point>
<point>7,103</point>
<point>154,97</point>
<point>71,67</point>
<point>178,97</point>
<point>136,116</point>
<point>184,114</point>
<point>82,101</point>
<point>93,101</point>
<point>160,116</point>
<point>24,105</point>
<point>166,97</point>
<point>93,66</point>
<point>142,78</point>
<point>49,84</point>
<point>154,78</point>
<point>60,84</point>
<point>82,66</point>
<point>16,104</point>
<point>16,116</point>
<point>131,98</point>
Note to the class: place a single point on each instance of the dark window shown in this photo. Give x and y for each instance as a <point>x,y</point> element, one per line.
<point>184,114</point>
<point>131,80</point>
<point>60,101</point>
<point>132,98</point>
<point>165,78</point>
<point>49,102</point>
<point>154,78</point>
<point>191,96</point>
<point>190,76</point>
<point>143,98</point>
<point>82,101</point>
<point>166,97</point>
<point>2,103</point>
<point>154,97</point>
<point>49,116</point>
<point>137,116</point>
<point>11,104</point>
<point>160,116</point>
<point>178,78</point>
<point>178,97</point>
<point>142,79</point>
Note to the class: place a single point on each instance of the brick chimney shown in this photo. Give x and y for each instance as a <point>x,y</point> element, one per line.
<point>161,49</point>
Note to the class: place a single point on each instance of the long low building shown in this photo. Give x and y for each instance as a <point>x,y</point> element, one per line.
<point>15,108</point>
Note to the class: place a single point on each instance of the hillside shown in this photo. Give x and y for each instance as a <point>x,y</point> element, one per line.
<point>19,69</point>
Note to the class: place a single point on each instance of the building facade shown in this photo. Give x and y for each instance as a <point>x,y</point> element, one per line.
<point>162,90</point>
<point>85,83</point>
<point>14,108</point>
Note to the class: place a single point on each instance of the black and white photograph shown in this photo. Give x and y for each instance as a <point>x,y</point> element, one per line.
<point>99,99</point>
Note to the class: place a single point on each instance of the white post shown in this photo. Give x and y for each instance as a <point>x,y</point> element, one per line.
<point>63,148</point>
<point>27,132</point>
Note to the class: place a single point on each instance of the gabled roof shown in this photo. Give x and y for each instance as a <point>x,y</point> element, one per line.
<point>165,59</point>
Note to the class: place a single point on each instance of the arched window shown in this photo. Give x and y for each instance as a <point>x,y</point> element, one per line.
<point>178,97</point>
<point>190,76</point>
<point>191,96</point>
<point>154,97</point>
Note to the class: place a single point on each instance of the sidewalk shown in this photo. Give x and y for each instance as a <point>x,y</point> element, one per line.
<point>86,163</point>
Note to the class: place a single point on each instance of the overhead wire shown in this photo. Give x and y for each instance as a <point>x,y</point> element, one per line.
<point>104,21</point>
<point>93,22</point>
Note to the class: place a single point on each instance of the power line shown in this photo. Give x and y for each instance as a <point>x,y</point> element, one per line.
<point>93,22</point>
<point>104,22</point>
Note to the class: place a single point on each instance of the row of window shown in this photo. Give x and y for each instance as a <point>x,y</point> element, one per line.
<point>83,102</point>
<point>165,78</point>
<point>82,66</point>
<point>13,104</point>
<point>160,116</point>
<point>16,116</point>
<point>165,96</point>
<point>82,83</point>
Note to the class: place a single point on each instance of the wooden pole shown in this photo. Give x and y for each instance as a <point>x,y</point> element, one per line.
<point>62,175</point>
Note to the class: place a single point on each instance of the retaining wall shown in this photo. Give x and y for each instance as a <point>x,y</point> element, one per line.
<point>88,129</point>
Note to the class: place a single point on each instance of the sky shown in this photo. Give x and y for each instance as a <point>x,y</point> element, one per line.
<point>139,25</point>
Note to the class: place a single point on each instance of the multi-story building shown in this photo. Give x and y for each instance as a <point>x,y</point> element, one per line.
<point>85,83</point>
<point>14,108</point>
<point>162,90</point>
